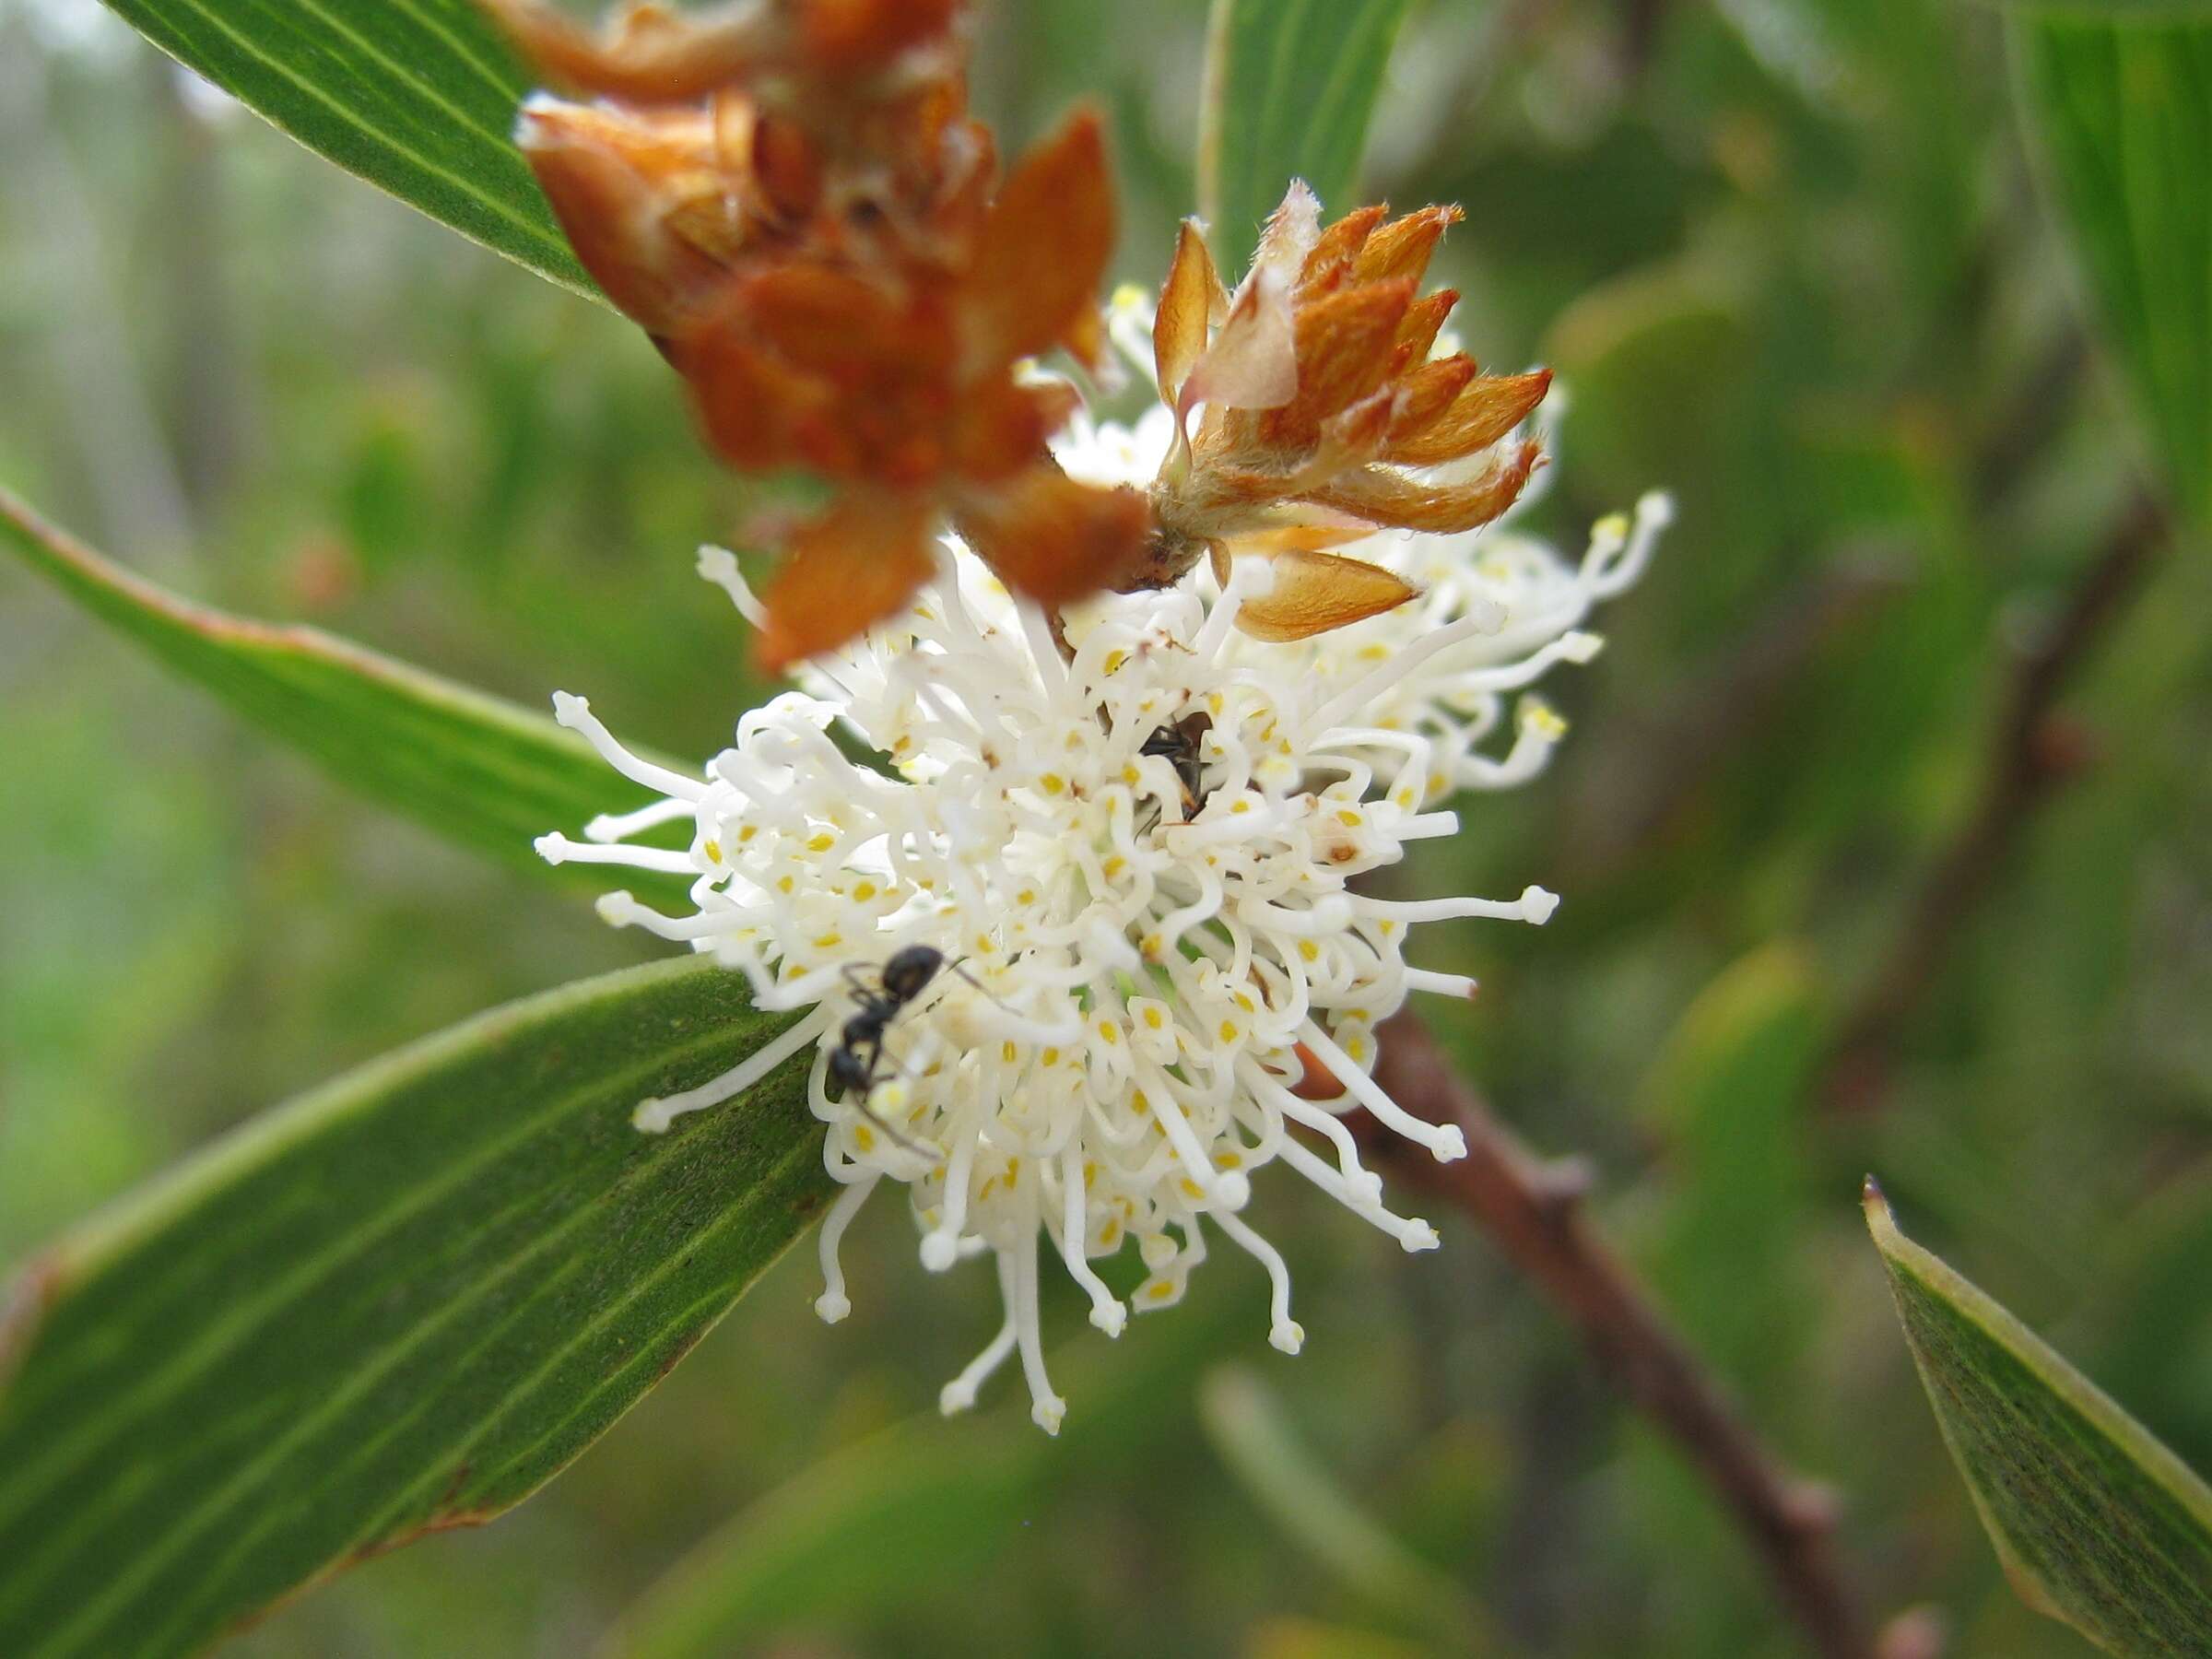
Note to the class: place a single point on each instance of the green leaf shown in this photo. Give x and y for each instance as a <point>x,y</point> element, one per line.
<point>851,1539</point>
<point>1290,88</point>
<point>416,96</point>
<point>2097,1523</point>
<point>1255,1439</point>
<point>478,770</point>
<point>1727,1098</point>
<point>400,1304</point>
<point>928,1503</point>
<point>2124,115</point>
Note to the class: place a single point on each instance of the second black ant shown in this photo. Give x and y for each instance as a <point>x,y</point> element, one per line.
<point>1178,744</point>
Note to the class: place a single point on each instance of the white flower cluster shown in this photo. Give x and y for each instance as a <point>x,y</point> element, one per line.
<point>1133,862</point>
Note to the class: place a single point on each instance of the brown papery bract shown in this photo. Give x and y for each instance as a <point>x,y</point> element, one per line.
<point>790,198</point>
<point>1324,412</point>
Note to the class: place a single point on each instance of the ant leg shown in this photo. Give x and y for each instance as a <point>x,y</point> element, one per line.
<point>955,965</point>
<point>866,1102</point>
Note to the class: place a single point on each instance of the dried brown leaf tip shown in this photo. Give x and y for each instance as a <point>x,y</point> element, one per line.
<point>791,197</point>
<point>1324,413</point>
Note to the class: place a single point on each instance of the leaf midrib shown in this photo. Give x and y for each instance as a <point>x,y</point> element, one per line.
<point>303,1428</point>
<point>217,1343</point>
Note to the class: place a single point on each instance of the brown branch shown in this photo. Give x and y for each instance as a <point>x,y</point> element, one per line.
<point>1530,1208</point>
<point>2032,751</point>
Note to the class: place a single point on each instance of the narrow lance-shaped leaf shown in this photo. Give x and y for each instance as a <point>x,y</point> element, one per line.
<point>416,96</point>
<point>1290,86</point>
<point>2097,1523</point>
<point>2122,114</point>
<point>854,1543</point>
<point>1255,1439</point>
<point>483,771</point>
<point>400,1304</point>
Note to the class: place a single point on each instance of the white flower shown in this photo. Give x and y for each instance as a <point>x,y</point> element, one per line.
<point>1136,861</point>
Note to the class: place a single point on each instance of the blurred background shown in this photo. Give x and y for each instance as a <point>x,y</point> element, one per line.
<point>1791,262</point>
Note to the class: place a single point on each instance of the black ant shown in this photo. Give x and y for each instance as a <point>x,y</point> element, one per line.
<point>856,1064</point>
<point>1177,743</point>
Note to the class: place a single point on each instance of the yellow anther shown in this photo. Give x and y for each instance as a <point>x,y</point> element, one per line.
<point>713,851</point>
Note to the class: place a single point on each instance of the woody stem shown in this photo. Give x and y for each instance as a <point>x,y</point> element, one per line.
<point>1532,1209</point>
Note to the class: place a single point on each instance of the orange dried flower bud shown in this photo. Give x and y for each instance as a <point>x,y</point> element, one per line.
<point>791,197</point>
<point>1318,391</point>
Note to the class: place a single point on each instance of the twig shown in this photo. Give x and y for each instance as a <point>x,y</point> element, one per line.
<point>2031,752</point>
<point>1532,1209</point>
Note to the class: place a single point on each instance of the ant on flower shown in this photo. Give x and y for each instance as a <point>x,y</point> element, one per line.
<point>1177,743</point>
<point>856,1064</point>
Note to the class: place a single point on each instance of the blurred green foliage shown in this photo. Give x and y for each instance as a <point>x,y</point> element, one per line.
<point>1791,262</point>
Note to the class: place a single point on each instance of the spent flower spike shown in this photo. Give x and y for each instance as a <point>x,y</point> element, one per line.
<point>1137,835</point>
